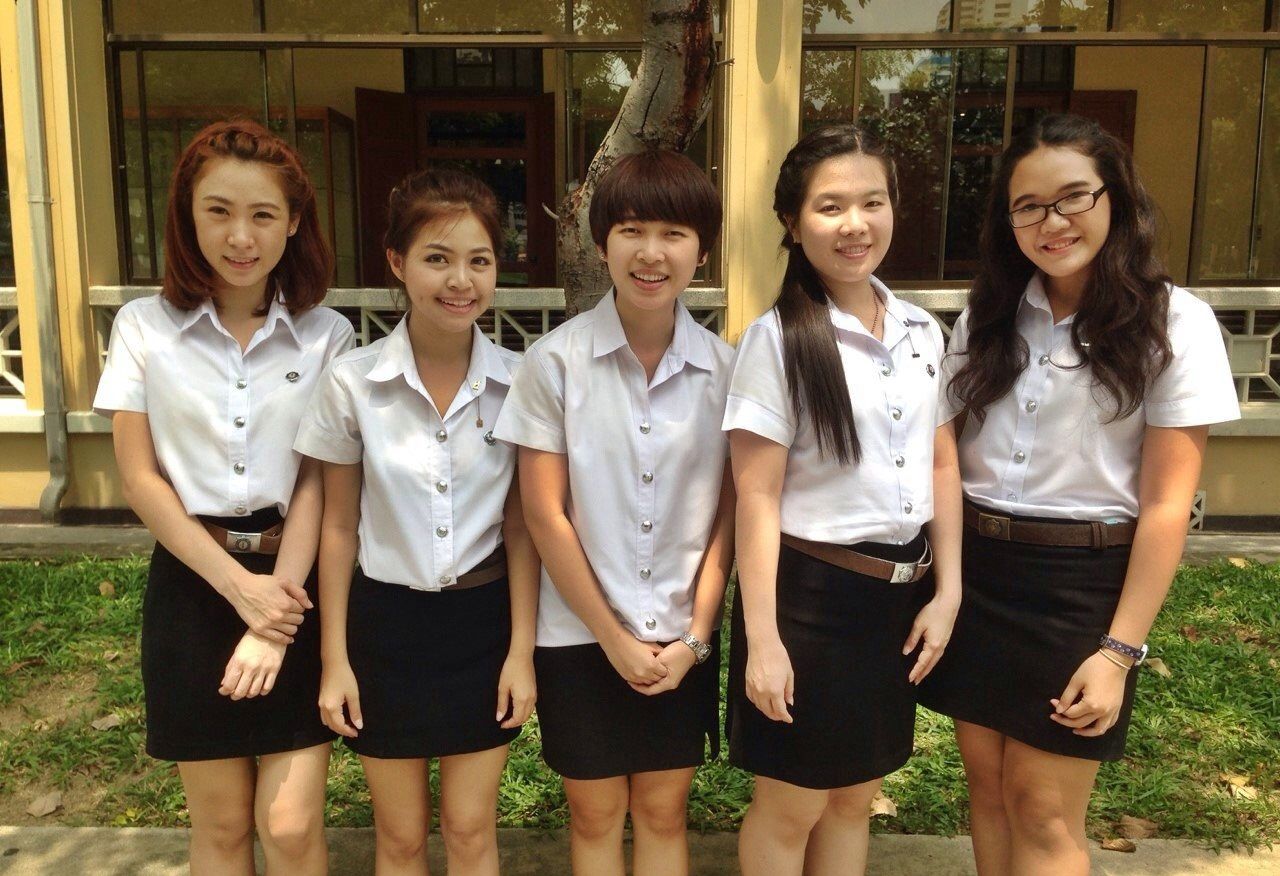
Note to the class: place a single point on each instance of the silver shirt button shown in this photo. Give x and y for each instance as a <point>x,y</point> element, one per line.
<point>445,580</point>
<point>647,477</point>
<point>899,461</point>
<point>906,509</point>
<point>241,383</point>
<point>442,436</point>
<point>644,428</point>
<point>239,421</point>
<point>442,531</point>
<point>1011,496</point>
<point>896,413</point>
<point>292,376</point>
<point>1031,407</point>
<point>651,624</point>
<point>646,525</point>
<point>886,370</point>
<point>240,509</point>
<point>1019,456</point>
<point>238,468</point>
<point>441,486</point>
<point>1043,360</point>
<point>645,573</point>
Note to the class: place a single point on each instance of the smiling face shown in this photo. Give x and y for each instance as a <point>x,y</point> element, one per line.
<point>449,272</point>
<point>651,263</point>
<point>1063,247</point>
<point>242,222</point>
<point>845,222</point>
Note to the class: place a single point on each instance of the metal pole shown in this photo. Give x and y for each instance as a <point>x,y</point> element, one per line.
<point>41,217</point>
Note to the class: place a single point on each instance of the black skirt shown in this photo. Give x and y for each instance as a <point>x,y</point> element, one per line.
<point>594,726</point>
<point>854,712</point>
<point>428,665</point>
<point>189,632</point>
<point>1029,616</point>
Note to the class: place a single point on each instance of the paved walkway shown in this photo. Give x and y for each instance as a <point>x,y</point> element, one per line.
<point>109,851</point>
<point>46,540</point>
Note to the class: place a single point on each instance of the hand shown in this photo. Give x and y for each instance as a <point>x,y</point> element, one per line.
<point>1091,702</point>
<point>338,688</point>
<point>270,605</point>
<point>933,624</point>
<point>636,661</point>
<point>253,667</point>
<point>517,691</point>
<point>770,680</point>
<point>679,659</point>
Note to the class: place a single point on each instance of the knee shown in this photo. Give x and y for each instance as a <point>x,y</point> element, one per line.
<point>292,833</point>
<point>228,831</point>
<point>664,817</point>
<point>468,835</point>
<point>790,822</point>
<point>1036,816</point>
<point>596,819</point>
<point>986,788</point>
<point>850,806</point>
<point>401,840</point>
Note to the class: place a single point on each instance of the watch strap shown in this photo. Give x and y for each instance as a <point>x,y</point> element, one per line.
<point>701,650</point>
<point>1137,655</point>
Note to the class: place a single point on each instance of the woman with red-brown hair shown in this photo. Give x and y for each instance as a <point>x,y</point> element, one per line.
<point>205,384</point>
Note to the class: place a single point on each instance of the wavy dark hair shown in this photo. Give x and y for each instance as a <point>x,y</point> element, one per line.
<point>815,377</point>
<point>1121,328</point>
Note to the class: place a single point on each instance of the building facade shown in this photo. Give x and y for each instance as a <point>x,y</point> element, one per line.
<point>100,96</point>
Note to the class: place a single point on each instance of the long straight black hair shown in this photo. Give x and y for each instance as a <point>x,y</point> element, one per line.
<point>815,377</point>
<point>1121,329</point>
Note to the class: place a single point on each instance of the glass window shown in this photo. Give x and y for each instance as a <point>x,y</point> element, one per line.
<point>875,16</point>
<point>183,16</point>
<point>977,139</point>
<point>1266,236</point>
<point>1205,16</point>
<point>1229,156</point>
<point>325,16</point>
<point>597,83</point>
<point>1033,15</point>
<point>826,89</point>
<point>6,220</point>
<point>492,16</point>
<point>608,18</point>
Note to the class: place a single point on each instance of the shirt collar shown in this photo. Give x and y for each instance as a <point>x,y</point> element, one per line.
<point>1035,296</point>
<point>277,312</point>
<point>395,359</point>
<point>897,314</point>
<point>686,345</point>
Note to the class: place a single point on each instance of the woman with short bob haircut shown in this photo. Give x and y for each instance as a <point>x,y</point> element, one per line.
<point>1084,384</point>
<point>205,384</point>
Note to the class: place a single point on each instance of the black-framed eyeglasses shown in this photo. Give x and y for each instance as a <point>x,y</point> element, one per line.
<point>1067,205</point>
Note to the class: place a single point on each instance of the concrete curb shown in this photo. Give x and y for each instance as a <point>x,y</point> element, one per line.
<point>108,851</point>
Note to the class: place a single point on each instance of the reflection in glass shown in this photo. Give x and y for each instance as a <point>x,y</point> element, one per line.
<point>977,134</point>
<point>608,18</point>
<point>1089,16</point>
<point>6,223</point>
<point>876,16</point>
<point>1230,155</point>
<point>479,129</point>
<point>597,83</point>
<point>508,179</point>
<point>183,16</point>
<point>491,16</point>
<point>1208,16</point>
<point>906,99</point>
<point>326,16</point>
<point>1266,249</point>
<point>826,89</point>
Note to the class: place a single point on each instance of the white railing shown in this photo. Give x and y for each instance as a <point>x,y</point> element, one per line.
<point>11,385</point>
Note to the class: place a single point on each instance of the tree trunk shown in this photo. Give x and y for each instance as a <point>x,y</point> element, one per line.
<point>664,106</point>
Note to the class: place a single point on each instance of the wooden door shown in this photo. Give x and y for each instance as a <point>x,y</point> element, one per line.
<point>387,150</point>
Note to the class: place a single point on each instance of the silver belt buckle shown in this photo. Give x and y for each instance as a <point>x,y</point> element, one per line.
<point>903,573</point>
<point>244,542</point>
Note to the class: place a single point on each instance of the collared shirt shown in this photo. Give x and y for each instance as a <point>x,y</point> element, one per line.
<point>893,387</point>
<point>433,486</point>
<point>222,419</point>
<point>646,460</point>
<point>1050,448</point>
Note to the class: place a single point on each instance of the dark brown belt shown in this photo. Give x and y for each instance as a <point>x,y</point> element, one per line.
<point>490,569</point>
<point>265,542</point>
<point>1086,533</point>
<point>844,558</point>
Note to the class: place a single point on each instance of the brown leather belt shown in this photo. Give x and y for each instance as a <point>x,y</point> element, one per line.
<point>1085,533</point>
<point>489,570</point>
<point>265,542</point>
<point>844,558</point>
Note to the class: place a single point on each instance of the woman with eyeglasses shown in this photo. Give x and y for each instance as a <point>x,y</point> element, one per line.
<point>1085,384</point>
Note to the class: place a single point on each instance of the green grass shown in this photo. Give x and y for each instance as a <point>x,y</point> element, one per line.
<point>1217,714</point>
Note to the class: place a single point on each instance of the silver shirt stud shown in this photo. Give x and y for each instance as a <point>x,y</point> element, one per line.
<point>489,439</point>
<point>292,376</point>
<point>930,369</point>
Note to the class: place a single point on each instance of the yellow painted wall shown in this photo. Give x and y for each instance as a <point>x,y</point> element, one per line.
<point>24,470</point>
<point>94,482</point>
<point>1168,80</point>
<point>1242,476</point>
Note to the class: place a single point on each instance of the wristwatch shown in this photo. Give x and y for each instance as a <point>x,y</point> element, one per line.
<point>1137,655</point>
<point>701,650</point>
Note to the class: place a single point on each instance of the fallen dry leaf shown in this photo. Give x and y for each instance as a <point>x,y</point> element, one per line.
<point>46,805</point>
<point>1156,665</point>
<point>1119,845</point>
<point>40,725</point>
<point>110,656</point>
<point>107,589</point>
<point>13,668</point>
<point>106,722</point>
<point>1244,792</point>
<point>1234,779</point>
<point>1191,633</point>
<point>1132,827</point>
<point>882,805</point>
<point>1238,562</point>
<point>37,627</point>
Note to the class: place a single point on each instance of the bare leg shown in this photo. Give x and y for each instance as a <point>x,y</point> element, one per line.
<point>983,753</point>
<point>659,806</point>
<point>289,810</point>
<point>597,810</point>
<point>776,828</point>
<point>838,842</point>
<point>220,801</point>
<point>1046,796</point>
<point>469,810</point>
<point>401,793</point>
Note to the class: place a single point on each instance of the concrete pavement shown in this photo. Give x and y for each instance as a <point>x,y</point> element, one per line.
<point>131,851</point>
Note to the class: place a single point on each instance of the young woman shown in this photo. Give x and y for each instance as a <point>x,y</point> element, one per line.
<point>839,466</point>
<point>617,416</point>
<point>1089,383</point>
<point>206,383</point>
<point>428,646</point>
